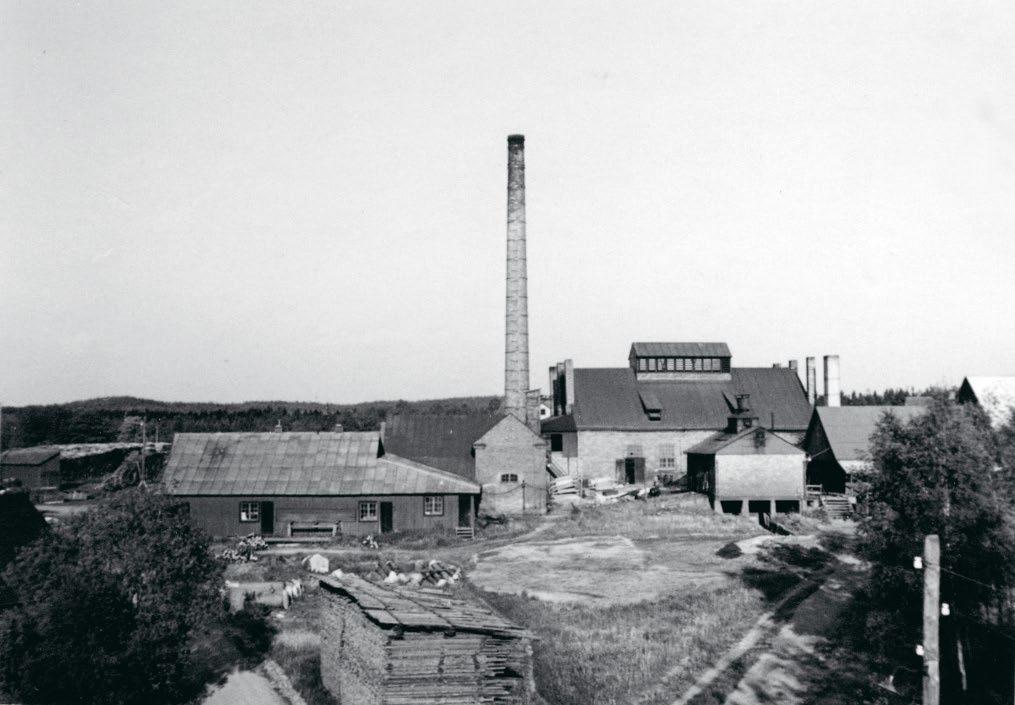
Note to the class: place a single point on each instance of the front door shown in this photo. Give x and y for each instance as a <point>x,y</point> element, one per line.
<point>464,510</point>
<point>387,517</point>
<point>634,470</point>
<point>267,518</point>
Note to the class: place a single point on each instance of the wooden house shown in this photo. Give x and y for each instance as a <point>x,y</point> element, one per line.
<point>312,484</point>
<point>33,468</point>
<point>837,442</point>
<point>409,646</point>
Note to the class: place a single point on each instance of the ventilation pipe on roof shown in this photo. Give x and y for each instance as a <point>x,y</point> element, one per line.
<point>812,381</point>
<point>516,348</point>
<point>792,364</point>
<point>833,392</point>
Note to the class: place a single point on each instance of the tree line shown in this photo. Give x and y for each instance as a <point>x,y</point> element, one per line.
<point>119,418</point>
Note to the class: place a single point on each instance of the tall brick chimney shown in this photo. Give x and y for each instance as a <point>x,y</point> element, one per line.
<point>516,348</point>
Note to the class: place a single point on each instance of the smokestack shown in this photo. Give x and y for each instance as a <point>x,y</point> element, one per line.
<point>833,393</point>
<point>568,386</point>
<point>812,381</point>
<point>516,349</point>
<point>792,364</point>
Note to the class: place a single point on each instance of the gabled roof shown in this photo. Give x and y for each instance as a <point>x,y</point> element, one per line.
<point>29,456</point>
<point>849,428</point>
<point>995,395</point>
<point>721,440</point>
<point>610,399</point>
<point>440,440</point>
<point>327,464</point>
<point>680,350</point>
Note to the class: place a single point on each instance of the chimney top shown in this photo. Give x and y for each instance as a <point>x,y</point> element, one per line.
<point>516,139</point>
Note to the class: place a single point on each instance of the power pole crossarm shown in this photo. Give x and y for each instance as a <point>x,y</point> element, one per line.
<point>931,612</point>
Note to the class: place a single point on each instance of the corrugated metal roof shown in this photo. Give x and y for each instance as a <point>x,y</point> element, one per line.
<point>28,456</point>
<point>298,464</point>
<point>849,428</point>
<point>609,399</point>
<point>995,395</point>
<point>439,440</point>
<point>680,349</point>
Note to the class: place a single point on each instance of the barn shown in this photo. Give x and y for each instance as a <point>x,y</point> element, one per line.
<point>312,485</point>
<point>34,468</point>
<point>837,442</point>
<point>391,645</point>
<point>498,451</point>
<point>635,423</point>
<point>747,468</point>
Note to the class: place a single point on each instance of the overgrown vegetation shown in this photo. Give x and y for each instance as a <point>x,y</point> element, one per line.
<point>121,605</point>
<point>592,655</point>
<point>942,473</point>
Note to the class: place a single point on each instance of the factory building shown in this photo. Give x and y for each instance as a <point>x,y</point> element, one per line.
<point>636,423</point>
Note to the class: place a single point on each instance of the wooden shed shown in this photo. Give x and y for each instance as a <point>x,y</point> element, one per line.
<point>415,646</point>
<point>312,484</point>
<point>33,468</point>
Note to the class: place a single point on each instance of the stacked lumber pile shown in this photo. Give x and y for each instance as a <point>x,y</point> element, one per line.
<point>433,648</point>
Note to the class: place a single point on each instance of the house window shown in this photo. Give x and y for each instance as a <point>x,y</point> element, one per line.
<point>697,364</point>
<point>651,364</point>
<point>368,511</point>
<point>556,442</point>
<point>250,511</point>
<point>433,506</point>
<point>509,477</point>
<point>670,364</point>
<point>708,364</point>
<point>667,456</point>
<point>642,364</point>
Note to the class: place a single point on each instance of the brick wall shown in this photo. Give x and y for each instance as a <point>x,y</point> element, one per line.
<point>598,451</point>
<point>511,448</point>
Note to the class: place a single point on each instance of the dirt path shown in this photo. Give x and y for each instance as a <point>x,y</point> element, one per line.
<point>245,688</point>
<point>789,669</point>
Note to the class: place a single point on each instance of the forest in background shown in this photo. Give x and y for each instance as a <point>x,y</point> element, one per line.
<point>112,419</point>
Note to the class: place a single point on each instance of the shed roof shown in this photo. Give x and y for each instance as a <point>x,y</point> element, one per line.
<point>29,456</point>
<point>350,463</point>
<point>995,395</point>
<point>440,440</point>
<point>680,350</point>
<point>419,610</point>
<point>610,399</point>
<point>721,440</point>
<point>849,428</point>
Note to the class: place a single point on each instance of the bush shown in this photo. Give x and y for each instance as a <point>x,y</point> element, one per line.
<point>110,606</point>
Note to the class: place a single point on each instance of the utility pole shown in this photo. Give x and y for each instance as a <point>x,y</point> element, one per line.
<point>931,610</point>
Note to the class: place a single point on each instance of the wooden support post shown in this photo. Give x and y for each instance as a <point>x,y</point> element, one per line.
<point>931,612</point>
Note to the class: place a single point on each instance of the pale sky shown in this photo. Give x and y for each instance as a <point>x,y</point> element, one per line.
<point>268,200</point>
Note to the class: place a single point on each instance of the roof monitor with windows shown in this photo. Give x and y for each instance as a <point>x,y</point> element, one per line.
<point>681,361</point>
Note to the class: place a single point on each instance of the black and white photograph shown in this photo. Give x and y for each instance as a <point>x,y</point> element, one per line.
<point>570,352</point>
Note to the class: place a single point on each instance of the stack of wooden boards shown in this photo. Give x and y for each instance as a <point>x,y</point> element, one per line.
<point>401,646</point>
